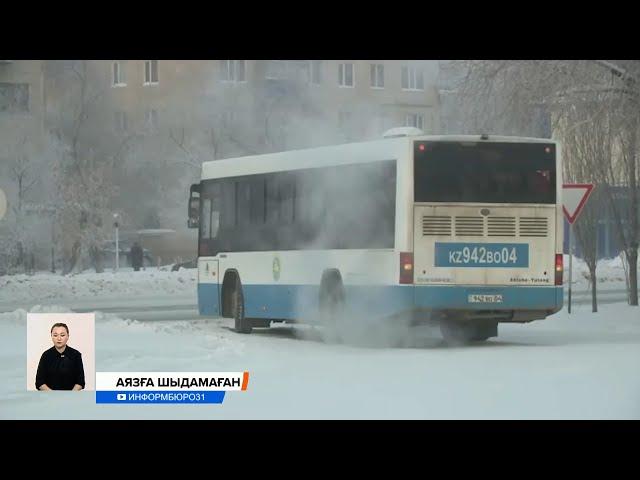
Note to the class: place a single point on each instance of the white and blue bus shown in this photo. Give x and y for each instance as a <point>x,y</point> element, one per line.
<point>465,231</point>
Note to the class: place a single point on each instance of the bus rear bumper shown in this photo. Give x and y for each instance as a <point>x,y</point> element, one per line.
<point>503,303</point>
<point>493,297</point>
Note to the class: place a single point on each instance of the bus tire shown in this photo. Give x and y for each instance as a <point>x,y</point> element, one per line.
<point>241,323</point>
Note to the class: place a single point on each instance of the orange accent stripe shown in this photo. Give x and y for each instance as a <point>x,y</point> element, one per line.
<point>245,380</point>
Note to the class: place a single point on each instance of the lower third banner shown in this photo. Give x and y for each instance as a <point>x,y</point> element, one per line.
<point>155,396</point>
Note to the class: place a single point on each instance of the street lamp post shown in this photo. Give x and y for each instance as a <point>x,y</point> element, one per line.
<point>115,224</point>
<point>53,261</point>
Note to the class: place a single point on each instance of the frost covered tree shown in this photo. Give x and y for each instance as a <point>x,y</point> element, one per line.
<point>586,147</point>
<point>22,171</point>
<point>86,162</point>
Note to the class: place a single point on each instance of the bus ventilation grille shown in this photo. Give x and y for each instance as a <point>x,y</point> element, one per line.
<point>469,226</point>
<point>433,225</point>
<point>502,226</point>
<point>475,226</point>
<point>533,227</point>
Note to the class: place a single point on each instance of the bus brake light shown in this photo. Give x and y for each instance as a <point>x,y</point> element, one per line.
<point>406,267</point>
<point>559,269</point>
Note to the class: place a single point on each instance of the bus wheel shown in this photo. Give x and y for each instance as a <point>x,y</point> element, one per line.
<point>241,323</point>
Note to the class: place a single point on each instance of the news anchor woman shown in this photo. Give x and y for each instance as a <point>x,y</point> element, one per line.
<point>60,367</point>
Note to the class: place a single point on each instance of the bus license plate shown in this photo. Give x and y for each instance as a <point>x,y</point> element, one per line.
<point>482,255</point>
<point>475,298</point>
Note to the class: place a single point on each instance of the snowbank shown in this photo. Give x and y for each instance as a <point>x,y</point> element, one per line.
<point>609,272</point>
<point>125,283</point>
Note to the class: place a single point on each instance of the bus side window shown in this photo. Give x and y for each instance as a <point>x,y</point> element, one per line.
<point>257,202</point>
<point>287,193</point>
<point>216,204</point>
<point>243,202</point>
<point>273,206</point>
<point>228,210</point>
<point>205,219</point>
<point>215,224</point>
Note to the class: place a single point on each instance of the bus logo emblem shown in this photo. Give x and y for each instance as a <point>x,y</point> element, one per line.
<point>276,269</point>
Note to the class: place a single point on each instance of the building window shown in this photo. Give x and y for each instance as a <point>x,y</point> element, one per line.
<point>119,79</point>
<point>151,120</point>
<point>233,71</point>
<point>314,72</point>
<point>14,97</point>
<point>412,78</point>
<point>345,75</point>
<point>414,120</point>
<point>151,72</point>
<point>121,121</point>
<point>377,76</point>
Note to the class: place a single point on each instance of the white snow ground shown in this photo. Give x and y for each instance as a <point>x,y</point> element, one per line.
<point>578,366</point>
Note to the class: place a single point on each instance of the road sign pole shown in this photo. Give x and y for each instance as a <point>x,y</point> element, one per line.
<point>3,204</point>
<point>570,262</point>
<point>116,225</point>
<point>574,197</point>
<point>117,249</point>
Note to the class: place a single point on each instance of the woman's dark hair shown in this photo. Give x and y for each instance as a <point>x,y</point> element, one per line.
<point>60,325</point>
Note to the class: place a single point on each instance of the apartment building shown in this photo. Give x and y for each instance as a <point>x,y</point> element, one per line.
<point>21,108</point>
<point>22,149</point>
<point>252,101</point>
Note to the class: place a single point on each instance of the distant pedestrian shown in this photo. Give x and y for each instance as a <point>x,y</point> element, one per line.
<point>136,256</point>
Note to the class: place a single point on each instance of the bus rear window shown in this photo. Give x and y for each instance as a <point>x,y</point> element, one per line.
<point>485,172</point>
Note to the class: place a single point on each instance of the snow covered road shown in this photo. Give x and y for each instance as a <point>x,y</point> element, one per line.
<point>575,366</point>
<point>185,307</point>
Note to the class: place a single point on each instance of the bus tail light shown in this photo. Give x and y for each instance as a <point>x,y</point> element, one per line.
<point>406,267</point>
<point>559,269</point>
